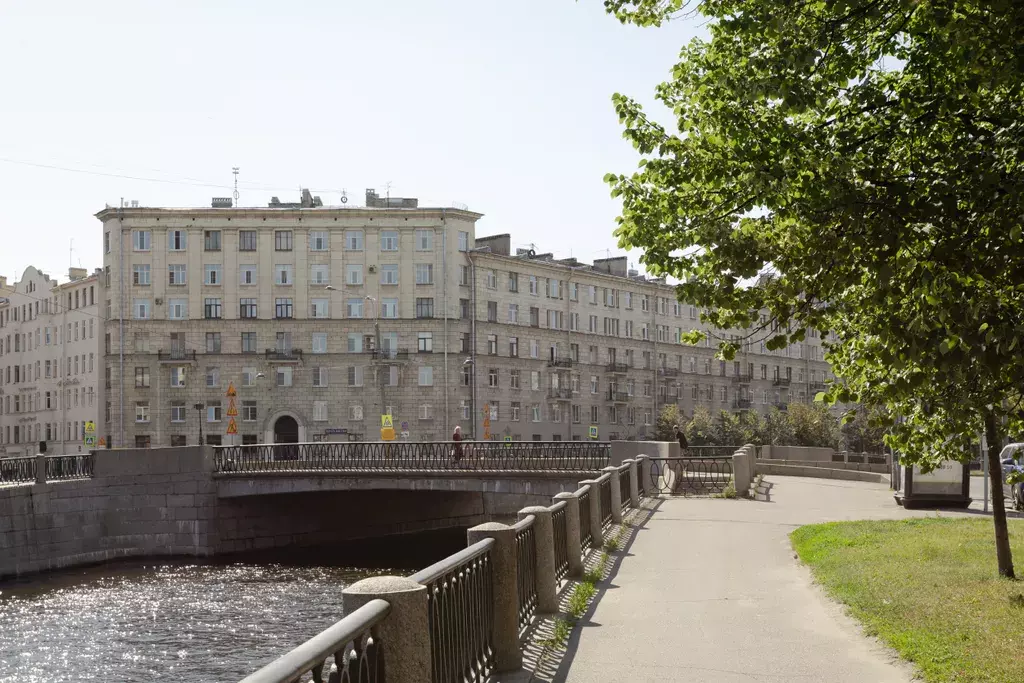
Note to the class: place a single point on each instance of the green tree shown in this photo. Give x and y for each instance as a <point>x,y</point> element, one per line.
<point>861,162</point>
<point>814,425</point>
<point>731,430</point>
<point>701,430</point>
<point>668,418</point>
<point>865,432</point>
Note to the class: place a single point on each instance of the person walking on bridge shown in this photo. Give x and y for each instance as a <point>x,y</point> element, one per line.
<point>457,444</point>
<point>683,445</point>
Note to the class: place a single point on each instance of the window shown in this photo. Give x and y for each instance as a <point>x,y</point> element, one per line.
<point>535,316</point>
<point>535,413</point>
<point>176,240</point>
<point>248,411</point>
<point>534,380</point>
<point>593,384</point>
<point>389,308</point>
<point>389,240</point>
<point>424,307</point>
<point>319,275</point>
<point>212,274</point>
<point>284,377</point>
<point>426,411</point>
<point>176,274</point>
<point>142,411</point>
<point>247,275</point>
<point>355,342</point>
<point>513,379</point>
<point>354,308</point>
<point>177,309</point>
<point>534,348</point>
<point>354,274</point>
<point>389,274</point>
<point>177,411</point>
<point>492,311</point>
<point>426,376</point>
<point>213,342</point>
<point>355,412</point>
<point>425,342</point>
<point>318,308</point>
<point>534,287</point>
<point>513,347</point>
<point>318,240</point>
<point>353,240</point>
<point>246,240</point>
<point>492,344</point>
<point>178,376</point>
<point>247,308</point>
<point>424,240</point>
<point>141,378</point>
<point>140,274</point>
<point>319,342</point>
<point>211,240</point>
<point>283,274</point>
<point>141,240</point>
<point>211,308</point>
<point>283,342</point>
<point>213,411</point>
<point>491,279</point>
<point>320,411</point>
<point>283,308</point>
<point>212,377</point>
<point>248,342</point>
<point>248,377</point>
<point>463,241</point>
<point>513,313</point>
<point>492,378</point>
<point>320,376</point>
<point>355,376</point>
<point>424,273</point>
<point>282,240</point>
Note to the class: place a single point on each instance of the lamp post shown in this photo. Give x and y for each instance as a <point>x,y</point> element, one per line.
<point>471,364</point>
<point>199,409</point>
<point>379,350</point>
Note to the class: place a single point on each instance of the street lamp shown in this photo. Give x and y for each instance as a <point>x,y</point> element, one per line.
<point>199,409</point>
<point>471,364</point>
<point>379,350</point>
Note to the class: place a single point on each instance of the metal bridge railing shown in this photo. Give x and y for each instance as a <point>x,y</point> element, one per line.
<point>526,570</point>
<point>23,469</point>
<point>20,470</point>
<point>690,476</point>
<point>560,528</point>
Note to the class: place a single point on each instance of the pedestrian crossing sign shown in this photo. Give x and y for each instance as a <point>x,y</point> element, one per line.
<point>90,427</point>
<point>593,431</point>
<point>387,422</point>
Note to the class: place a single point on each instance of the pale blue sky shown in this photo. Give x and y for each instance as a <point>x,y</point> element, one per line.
<point>503,106</point>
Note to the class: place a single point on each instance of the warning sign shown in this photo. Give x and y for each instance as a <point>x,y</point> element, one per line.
<point>232,411</point>
<point>90,427</point>
<point>593,431</point>
<point>387,422</point>
<point>231,390</point>
<point>102,442</point>
<point>232,427</point>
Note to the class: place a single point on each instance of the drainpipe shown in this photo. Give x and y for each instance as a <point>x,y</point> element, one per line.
<point>472,336</point>
<point>62,382</point>
<point>120,324</point>
<point>444,290</point>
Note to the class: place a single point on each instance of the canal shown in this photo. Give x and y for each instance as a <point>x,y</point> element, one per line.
<point>185,621</point>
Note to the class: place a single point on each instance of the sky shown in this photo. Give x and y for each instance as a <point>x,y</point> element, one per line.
<point>504,107</point>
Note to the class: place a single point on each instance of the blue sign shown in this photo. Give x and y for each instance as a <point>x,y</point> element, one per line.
<point>336,430</point>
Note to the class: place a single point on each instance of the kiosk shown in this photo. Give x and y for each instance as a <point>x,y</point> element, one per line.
<point>948,485</point>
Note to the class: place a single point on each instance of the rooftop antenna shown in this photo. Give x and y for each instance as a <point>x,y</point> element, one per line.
<point>387,192</point>
<point>344,196</point>
<point>234,170</point>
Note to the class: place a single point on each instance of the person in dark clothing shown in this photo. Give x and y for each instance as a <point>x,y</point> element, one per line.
<point>457,440</point>
<point>682,439</point>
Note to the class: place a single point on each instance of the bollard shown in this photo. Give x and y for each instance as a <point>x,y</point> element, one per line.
<point>405,633</point>
<point>572,532</point>
<point>644,467</point>
<point>596,532</point>
<point>741,473</point>
<point>634,483</point>
<point>616,488</point>
<point>544,537</point>
<point>505,635</point>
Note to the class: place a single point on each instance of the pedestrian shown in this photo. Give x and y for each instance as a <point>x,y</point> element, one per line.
<point>682,440</point>
<point>457,444</point>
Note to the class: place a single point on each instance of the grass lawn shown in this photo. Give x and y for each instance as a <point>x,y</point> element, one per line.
<point>929,588</point>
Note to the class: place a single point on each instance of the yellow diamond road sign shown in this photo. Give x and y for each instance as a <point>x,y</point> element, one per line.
<point>387,422</point>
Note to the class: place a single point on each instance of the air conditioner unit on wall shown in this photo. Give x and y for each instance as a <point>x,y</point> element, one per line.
<point>373,269</point>
<point>159,301</point>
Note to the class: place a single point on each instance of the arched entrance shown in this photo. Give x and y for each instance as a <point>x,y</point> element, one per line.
<point>286,430</point>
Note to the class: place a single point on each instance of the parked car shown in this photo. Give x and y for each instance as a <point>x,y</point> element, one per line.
<point>1011,459</point>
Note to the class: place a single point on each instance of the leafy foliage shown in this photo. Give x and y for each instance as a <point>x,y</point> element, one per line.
<point>861,161</point>
<point>668,418</point>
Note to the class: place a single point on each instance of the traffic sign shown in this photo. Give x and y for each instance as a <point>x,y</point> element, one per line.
<point>232,410</point>
<point>508,439</point>
<point>387,422</point>
<point>387,433</point>
<point>102,442</point>
<point>90,427</point>
<point>232,427</point>
<point>90,441</point>
<point>231,390</point>
<point>593,431</point>
<point>405,426</point>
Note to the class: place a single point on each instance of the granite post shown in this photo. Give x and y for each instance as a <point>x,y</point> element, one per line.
<point>404,635</point>
<point>544,538</point>
<point>505,634</point>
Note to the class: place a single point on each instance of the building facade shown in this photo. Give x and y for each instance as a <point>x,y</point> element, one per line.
<point>308,322</point>
<point>51,359</point>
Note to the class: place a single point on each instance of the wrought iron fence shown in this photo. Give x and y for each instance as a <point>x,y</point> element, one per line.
<point>351,643</point>
<point>624,487</point>
<point>460,612</point>
<point>78,466</point>
<point>641,484</point>
<point>544,456</point>
<point>526,570</point>
<point>605,489</point>
<point>586,535</point>
<point>560,526</point>
<point>710,451</point>
<point>690,476</point>
<point>21,470</point>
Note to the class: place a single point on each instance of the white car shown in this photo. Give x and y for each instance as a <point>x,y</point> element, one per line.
<point>1011,458</point>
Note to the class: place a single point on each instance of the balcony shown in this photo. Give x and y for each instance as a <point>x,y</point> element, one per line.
<point>618,396</point>
<point>560,362</point>
<point>780,405</point>
<point>284,356</point>
<point>390,355</point>
<point>562,394</point>
<point>741,404</point>
<point>742,378</point>
<point>815,387</point>
<point>782,381</point>
<point>669,372</point>
<point>176,356</point>
<point>617,368</point>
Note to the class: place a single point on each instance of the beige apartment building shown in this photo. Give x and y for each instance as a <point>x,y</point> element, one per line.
<point>300,321</point>
<point>51,359</point>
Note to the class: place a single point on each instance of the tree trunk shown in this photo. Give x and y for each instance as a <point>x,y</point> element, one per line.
<point>995,474</point>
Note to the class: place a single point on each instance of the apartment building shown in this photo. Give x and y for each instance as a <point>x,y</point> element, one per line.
<point>299,321</point>
<point>50,362</point>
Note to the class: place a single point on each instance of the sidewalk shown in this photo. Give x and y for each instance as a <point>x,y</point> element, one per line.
<point>709,591</point>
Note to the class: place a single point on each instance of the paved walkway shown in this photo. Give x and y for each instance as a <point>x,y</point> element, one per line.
<point>710,591</point>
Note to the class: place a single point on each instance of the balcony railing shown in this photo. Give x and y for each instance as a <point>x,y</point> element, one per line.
<point>618,396</point>
<point>389,354</point>
<point>618,368</point>
<point>562,393</point>
<point>815,387</point>
<point>669,372</point>
<point>284,355</point>
<point>741,403</point>
<point>560,362</point>
<point>742,378</point>
<point>782,381</point>
<point>175,355</point>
